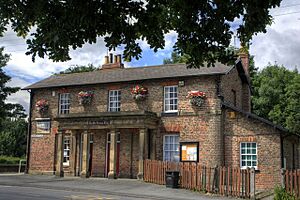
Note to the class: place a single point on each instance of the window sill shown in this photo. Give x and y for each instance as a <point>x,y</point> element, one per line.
<point>169,114</point>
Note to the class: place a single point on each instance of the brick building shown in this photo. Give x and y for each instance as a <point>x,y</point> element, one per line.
<point>89,124</point>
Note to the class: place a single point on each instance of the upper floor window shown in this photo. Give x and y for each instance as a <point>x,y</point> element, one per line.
<point>64,103</point>
<point>248,155</point>
<point>171,98</point>
<point>114,100</point>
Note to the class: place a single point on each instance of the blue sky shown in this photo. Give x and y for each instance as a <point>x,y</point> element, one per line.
<point>281,44</point>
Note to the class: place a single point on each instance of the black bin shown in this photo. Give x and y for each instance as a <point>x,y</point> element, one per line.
<point>172,179</point>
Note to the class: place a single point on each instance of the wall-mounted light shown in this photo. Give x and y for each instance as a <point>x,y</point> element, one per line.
<point>53,93</point>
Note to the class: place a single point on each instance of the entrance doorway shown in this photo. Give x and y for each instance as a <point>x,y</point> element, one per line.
<point>108,143</point>
<point>80,154</point>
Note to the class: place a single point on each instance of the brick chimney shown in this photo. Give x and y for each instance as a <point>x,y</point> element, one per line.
<point>246,92</point>
<point>113,62</point>
<point>244,57</point>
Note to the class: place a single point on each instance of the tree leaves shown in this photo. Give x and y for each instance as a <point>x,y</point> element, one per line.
<point>203,26</point>
<point>276,96</point>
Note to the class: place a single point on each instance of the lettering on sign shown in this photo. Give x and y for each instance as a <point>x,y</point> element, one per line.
<point>88,122</point>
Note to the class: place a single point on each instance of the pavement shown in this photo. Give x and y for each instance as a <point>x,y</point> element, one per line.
<point>34,187</point>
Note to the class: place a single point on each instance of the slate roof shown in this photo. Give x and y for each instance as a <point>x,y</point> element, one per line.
<point>128,74</point>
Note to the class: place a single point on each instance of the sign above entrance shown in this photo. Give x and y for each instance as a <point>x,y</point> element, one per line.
<point>87,122</point>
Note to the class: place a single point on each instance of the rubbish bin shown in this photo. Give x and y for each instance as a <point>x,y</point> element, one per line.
<point>172,179</point>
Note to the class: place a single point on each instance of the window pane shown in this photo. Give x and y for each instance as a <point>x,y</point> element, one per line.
<point>248,154</point>
<point>170,98</point>
<point>171,148</point>
<point>114,100</point>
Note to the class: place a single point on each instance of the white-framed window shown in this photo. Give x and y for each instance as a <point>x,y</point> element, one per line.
<point>66,151</point>
<point>64,103</point>
<point>171,98</point>
<point>114,103</point>
<point>248,152</point>
<point>171,148</point>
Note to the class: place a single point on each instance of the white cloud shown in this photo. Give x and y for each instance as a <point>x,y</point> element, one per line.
<point>281,43</point>
<point>22,96</point>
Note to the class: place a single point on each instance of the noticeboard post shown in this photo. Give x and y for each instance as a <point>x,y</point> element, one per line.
<point>189,151</point>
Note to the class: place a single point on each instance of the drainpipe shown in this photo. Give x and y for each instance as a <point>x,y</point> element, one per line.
<point>29,133</point>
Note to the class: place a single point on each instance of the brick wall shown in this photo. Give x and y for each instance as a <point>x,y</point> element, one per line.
<point>291,152</point>
<point>231,82</point>
<point>197,124</point>
<point>99,153</point>
<point>244,129</point>
<point>218,135</point>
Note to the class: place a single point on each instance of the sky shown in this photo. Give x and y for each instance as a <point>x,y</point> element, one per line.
<point>281,45</point>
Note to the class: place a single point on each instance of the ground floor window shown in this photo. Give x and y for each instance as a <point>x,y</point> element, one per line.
<point>66,151</point>
<point>248,155</point>
<point>171,148</point>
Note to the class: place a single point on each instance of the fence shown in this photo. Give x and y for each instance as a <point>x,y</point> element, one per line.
<point>291,182</point>
<point>220,180</point>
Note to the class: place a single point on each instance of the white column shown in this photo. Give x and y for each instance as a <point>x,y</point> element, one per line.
<point>142,141</point>
<point>60,154</point>
<point>112,174</point>
<point>85,155</point>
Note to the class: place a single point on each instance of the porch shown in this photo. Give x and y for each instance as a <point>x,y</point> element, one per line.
<point>107,144</point>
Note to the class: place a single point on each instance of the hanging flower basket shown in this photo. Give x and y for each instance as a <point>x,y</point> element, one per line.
<point>42,105</point>
<point>85,97</point>
<point>196,98</point>
<point>139,92</point>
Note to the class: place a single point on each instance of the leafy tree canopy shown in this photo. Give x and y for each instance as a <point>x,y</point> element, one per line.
<point>13,137</point>
<point>79,69</point>
<point>13,126</point>
<point>176,58</point>
<point>203,26</point>
<point>276,96</point>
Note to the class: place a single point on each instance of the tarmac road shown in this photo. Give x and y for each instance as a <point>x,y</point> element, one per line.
<point>32,193</point>
<point>33,187</point>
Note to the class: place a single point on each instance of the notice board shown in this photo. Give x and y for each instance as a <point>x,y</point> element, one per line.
<point>189,151</point>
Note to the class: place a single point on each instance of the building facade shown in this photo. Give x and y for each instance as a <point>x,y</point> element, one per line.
<point>105,123</point>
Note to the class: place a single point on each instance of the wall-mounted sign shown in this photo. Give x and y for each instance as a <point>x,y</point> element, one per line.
<point>189,151</point>
<point>37,136</point>
<point>43,127</point>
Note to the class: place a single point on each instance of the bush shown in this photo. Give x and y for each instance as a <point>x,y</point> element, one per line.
<point>9,160</point>
<point>281,194</point>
